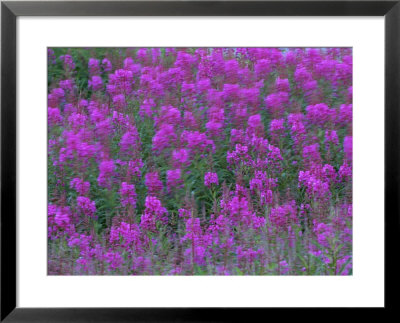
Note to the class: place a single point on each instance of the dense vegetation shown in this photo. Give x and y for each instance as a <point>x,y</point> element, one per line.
<point>200,161</point>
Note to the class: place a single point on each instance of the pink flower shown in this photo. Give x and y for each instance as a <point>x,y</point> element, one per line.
<point>153,183</point>
<point>173,178</point>
<point>180,157</point>
<point>106,168</point>
<point>348,147</point>
<point>128,194</point>
<point>87,206</point>
<point>80,186</point>
<point>153,214</point>
<point>210,178</point>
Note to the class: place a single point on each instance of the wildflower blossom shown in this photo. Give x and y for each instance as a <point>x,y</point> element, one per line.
<point>87,206</point>
<point>210,178</point>
<point>173,178</point>
<point>153,183</point>
<point>128,194</point>
<point>253,146</point>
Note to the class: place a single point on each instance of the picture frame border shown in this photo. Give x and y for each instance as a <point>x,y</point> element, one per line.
<point>10,10</point>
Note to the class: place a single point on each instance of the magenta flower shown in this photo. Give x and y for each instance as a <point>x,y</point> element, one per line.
<point>210,178</point>
<point>96,83</point>
<point>164,137</point>
<point>128,194</point>
<point>276,103</point>
<point>262,68</point>
<point>173,178</point>
<point>68,62</point>
<point>67,85</point>
<point>106,168</point>
<point>153,183</point>
<point>94,66</point>
<point>180,157</point>
<point>87,206</point>
<point>119,101</point>
<point>106,64</point>
<point>54,117</point>
<point>348,147</point>
<point>255,125</point>
<point>153,214</point>
<point>270,129</point>
<point>130,142</point>
<point>80,186</point>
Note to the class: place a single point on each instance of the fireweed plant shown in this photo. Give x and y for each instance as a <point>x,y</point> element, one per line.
<point>200,161</point>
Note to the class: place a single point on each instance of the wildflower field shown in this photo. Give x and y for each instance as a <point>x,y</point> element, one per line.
<point>199,161</point>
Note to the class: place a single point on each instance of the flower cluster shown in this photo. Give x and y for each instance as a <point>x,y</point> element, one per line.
<point>210,178</point>
<point>200,161</point>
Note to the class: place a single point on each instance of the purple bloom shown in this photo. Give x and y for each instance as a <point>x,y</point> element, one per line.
<point>96,83</point>
<point>180,157</point>
<point>67,85</point>
<point>119,101</point>
<point>164,137</point>
<point>255,125</point>
<point>210,178</point>
<point>80,186</point>
<point>320,114</point>
<point>276,103</point>
<point>153,214</point>
<point>87,206</point>
<point>94,66</point>
<point>348,147</point>
<point>54,117</point>
<point>106,168</point>
<point>331,136</point>
<point>106,64</point>
<point>262,68</point>
<point>68,62</point>
<point>173,178</point>
<point>130,142</point>
<point>128,194</point>
<point>153,183</point>
<point>311,153</point>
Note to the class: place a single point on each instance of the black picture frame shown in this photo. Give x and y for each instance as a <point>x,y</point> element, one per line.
<point>10,10</point>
